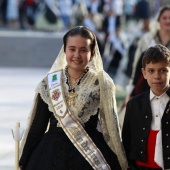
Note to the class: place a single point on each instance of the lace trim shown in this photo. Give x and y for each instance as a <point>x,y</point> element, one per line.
<point>109,118</point>
<point>42,88</point>
<point>29,122</point>
<point>87,101</point>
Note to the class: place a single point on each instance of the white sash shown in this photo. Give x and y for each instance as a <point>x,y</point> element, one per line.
<point>72,127</point>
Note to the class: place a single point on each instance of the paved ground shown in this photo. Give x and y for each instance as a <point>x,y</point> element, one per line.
<point>23,64</point>
<point>17,92</point>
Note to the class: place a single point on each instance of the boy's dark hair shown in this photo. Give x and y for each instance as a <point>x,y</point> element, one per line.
<point>84,32</point>
<point>155,54</point>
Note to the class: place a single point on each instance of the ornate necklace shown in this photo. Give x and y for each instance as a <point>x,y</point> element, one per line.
<point>75,80</point>
<point>71,95</point>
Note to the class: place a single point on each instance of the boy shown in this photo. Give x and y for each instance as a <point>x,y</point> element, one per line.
<point>146,128</point>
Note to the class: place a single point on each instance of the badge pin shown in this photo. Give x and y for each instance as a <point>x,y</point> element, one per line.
<point>56,94</point>
<point>54,78</point>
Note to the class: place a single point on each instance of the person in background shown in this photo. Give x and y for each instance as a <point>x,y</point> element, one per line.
<point>142,10</point>
<point>79,13</point>
<point>117,6</point>
<point>65,8</point>
<point>3,10</point>
<point>109,23</point>
<point>83,131</point>
<point>145,27</point>
<point>22,14</point>
<point>12,14</point>
<point>93,21</point>
<point>159,34</point>
<point>31,9</point>
<point>117,52</point>
<point>146,125</point>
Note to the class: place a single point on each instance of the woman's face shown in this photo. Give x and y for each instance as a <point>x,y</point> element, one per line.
<point>78,52</point>
<point>164,20</point>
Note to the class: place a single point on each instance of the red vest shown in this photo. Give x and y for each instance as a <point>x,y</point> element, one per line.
<point>150,151</point>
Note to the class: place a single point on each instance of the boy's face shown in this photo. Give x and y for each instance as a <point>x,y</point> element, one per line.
<point>157,76</point>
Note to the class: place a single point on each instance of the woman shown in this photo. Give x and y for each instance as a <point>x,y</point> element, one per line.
<point>157,36</point>
<point>83,131</point>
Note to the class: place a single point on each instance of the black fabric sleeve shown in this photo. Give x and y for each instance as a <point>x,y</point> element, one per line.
<point>138,71</point>
<point>138,74</point>
<point>126,135</point>
<point>36,131</point>
<point>139,86</point>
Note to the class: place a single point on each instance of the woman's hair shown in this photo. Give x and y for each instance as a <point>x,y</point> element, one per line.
<point>162,10</point>
<point>154,24</point>
<point>85,33</point>
<point>155,54</point>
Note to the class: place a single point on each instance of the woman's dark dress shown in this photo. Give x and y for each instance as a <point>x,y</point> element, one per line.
<point>54,150</point>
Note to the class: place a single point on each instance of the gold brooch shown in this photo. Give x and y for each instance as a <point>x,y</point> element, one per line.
<point>71,98</point>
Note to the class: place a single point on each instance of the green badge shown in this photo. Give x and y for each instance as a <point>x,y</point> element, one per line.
<point>54,77</point>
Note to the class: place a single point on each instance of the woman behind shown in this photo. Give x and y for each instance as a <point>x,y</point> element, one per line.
<point>159,34</point>
<point>83,131</point>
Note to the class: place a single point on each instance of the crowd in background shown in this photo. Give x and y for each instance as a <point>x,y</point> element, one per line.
<point>108,19</point>
<point>25,14</point>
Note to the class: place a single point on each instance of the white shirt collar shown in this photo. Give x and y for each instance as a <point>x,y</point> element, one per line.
<point>152,95</point>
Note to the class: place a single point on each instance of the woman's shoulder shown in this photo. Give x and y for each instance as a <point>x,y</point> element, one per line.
<point>105,75</point>
<point>146,40</point>
<point>147,37</point>
<point>42,87</point>
<point>105,79</point>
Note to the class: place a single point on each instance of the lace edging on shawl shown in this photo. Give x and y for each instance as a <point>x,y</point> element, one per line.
<point>42,90</point>
<point>109,119</point>
<point>29,122</point>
